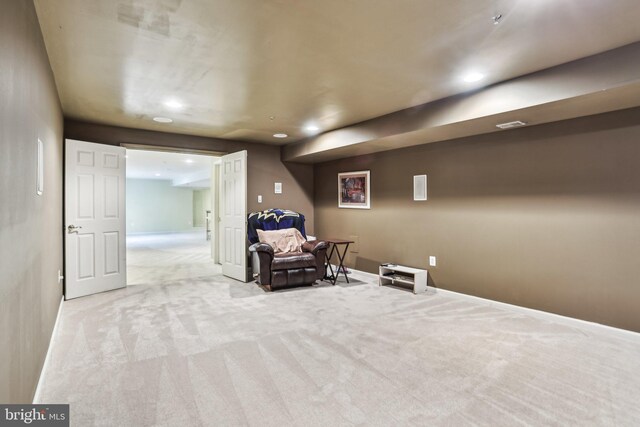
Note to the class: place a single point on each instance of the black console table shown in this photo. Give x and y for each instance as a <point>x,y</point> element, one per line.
<point>340,247</point>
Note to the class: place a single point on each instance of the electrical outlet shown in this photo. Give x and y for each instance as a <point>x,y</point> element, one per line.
<point>432,261</point>
<point>259,198</point>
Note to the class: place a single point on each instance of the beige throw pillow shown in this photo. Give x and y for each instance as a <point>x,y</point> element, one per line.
<point>285,240</point>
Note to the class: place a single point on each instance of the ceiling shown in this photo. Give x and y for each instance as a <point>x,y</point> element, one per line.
<point>246,69</point>
<point>184,170</point>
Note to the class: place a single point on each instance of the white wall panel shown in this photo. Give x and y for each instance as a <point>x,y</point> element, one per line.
<point>85,158</point>
<point>111,196</point>
<point>86,256</point>
<point>86,198</point>
<point>110,161</point>
<point>111,253</point>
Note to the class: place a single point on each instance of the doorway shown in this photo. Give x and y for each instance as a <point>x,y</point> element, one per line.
<point>170,217</point>
<point>97,258</point>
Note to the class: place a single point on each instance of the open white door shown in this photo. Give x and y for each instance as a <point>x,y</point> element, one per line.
<point>95,236</point>
<point>233,191</point>
<point>215,211</point>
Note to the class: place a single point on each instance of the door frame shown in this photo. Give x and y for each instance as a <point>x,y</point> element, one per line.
<point>215,191</point>
<point>147,147</point>
<point>216,242</point>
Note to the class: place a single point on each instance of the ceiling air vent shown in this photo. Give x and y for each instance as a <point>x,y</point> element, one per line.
<point>511,125</point>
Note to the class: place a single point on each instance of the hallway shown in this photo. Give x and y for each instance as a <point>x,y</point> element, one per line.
<point>158,258</point>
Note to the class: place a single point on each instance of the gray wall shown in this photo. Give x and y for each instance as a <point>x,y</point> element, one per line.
<point>201,204</point>
<point>155,205</point>
<point>30,225</point>
<point>546,217</point>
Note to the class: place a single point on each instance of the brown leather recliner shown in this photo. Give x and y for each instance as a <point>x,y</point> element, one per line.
<point>285,270</point>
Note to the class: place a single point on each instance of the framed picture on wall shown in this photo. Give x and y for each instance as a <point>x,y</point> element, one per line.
<point>354,190</point>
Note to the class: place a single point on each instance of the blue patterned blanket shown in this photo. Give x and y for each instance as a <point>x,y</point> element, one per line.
<point>273,219</point>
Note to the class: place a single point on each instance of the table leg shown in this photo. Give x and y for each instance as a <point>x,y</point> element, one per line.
<point>328,267</point>
<point>341,266</point>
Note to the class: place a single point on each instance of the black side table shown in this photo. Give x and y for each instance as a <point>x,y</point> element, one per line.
<point>336,245</point>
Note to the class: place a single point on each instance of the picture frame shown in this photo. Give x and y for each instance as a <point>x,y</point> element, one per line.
<point>354,190</point>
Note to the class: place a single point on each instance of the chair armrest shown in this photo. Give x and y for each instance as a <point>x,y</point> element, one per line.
<point>315,246</point>
<point>264,252</point>
<point>319,250</point>
<point>261,247</point>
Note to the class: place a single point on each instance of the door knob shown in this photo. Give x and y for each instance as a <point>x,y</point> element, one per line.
<point>73,228</point>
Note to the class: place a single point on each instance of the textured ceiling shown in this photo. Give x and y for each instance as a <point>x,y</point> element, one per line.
<point>245,69</point>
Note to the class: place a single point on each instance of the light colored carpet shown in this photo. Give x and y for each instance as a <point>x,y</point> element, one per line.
<point>155,258</point>
<point>205,350</point>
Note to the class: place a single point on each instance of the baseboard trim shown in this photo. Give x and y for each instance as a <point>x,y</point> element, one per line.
<point>540,314</point>
<point>45,365</point>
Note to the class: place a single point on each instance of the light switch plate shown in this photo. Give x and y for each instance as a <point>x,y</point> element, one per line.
<point>259,198</point>
<point>432,261</point>
<point>278,188</point>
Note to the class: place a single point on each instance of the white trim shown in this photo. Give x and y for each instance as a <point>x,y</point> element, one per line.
<point>543,315</point>
<point>36,396</point>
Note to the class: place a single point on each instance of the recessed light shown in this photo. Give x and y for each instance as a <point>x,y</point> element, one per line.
<point>473,77</point>
<point>173,104</point>
<point>280,135</point>
<point>311,128</point>
<point>157,174</point>
<point>189,161</point>
<point>162,120</point>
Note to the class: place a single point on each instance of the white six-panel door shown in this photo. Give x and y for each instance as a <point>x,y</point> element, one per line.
<point>233,189</point>
<point>95,234</point>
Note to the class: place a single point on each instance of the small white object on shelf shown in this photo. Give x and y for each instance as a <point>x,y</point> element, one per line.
<point>390,274</point>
